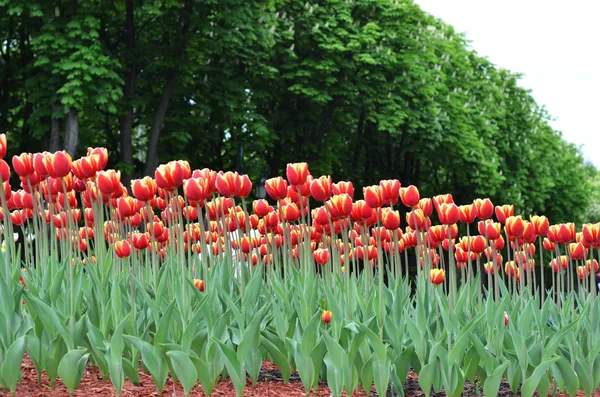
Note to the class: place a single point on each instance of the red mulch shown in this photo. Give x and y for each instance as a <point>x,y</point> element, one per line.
<point>93,385</point>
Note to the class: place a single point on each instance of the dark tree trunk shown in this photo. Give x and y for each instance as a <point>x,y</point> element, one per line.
<point>54,130</point>
<point>163,103</point>
<point>158,123</point>
<point>72,131</point>
<point>126,120</point>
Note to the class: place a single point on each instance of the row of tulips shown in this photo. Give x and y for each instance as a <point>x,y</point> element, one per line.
<point>177,276</point>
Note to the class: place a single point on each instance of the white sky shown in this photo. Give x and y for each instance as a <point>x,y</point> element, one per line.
<point>555,44</point>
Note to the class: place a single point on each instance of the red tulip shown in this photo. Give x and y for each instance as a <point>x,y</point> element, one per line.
<point>409,196</point>
<point>290,212</point>
<point>58,164</point>
<point>326,316</point>
<point>2,146</point>
<point>426,205</point>
<point>436,276</point>
<point>109,182</point>
<point>515,226</point>
<point>297,173</point>
<point>373,196</point>
<point>391,219</point>
<point>448,213</point>
<point>484,208</point>
<point>102,160</point>
<point>277,188</point>
<point>503,212</point>
<point>540,225</point>
<point>144,189</point>
<point>339,206</point>
<point>122,248</point>
<point>199,284</point>
<point>467,213</point>
<point>321,256</point>
<point>23,164</point>
<point>343,187</point>
<point>320,189</point>
<point>390,191</point>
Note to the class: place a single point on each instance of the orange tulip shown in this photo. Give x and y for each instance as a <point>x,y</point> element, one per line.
<point>548,245</point>
<point>326,316</point>
<point>512,270</point>
<point>478,244</point>
<point>122,248</point>
<point>436,276</point>
<point>361,211</point>
<point>484,208</point>
<point>489,228</point>
<point>409,196</point>
<point>582,272</point>
<point>577,251</point>
<point>126,206</point>
<point>503,212</point>
<point>589,264</point>
<point>297,173</point>
<point>416,219</point>
<point>489,268</point>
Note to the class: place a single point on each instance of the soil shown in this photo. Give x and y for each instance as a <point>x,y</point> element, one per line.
<point>270,385</point>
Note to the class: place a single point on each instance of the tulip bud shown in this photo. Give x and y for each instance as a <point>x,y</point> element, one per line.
<point>199,284</point>
<point>436,276</point>
<point>326,316</point>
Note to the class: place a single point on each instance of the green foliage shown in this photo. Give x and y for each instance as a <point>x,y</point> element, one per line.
<point>362,90</point>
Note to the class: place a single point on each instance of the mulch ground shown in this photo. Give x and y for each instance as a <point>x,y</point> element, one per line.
<point>270,385</point>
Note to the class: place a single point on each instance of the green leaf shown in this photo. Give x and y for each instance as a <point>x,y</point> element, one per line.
<point>234,367</point>
<point>279,358</point>
<point>492,383</point>
<point>533,381</point>
<point>11,367</point>
<point>426,378</point>
<point>185,370</point>
<point>569,376</point>
<point>72,367</point>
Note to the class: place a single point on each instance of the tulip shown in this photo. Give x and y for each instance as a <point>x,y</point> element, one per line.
<point>589,264</point>
<point>199,284</point>
<point>467,213</point>
<point>245,187</point>
<point>320,189</point>
<point>122,248</point>
<point>514,226</point>
<point>591,234</point>
<point>58,164</point>
<point>409,196</point>
<point>109,182</point>
<point>290,212</point>
<point>582,272</point>
<point>23,164</point>
<point>326,316</point>
<point>126,206</point>
<point>228,183</point>
<point>391,219</point>
<point>2,146</point>
<point>261,207</point>
<point>577,251</point>
<point>297,173</point>
<point>548,245</point>
<point>426,205</point>
<point>490,229</point>
<point>276,188</point>
<point>448,213</point>
<point>4,171</point>
<point>321,256</point>
<point>505,319</point>
<point>171,175</point>
<point>416,219</point>
<point>102,154</point>
<point>503,212</point>
<point>436,276</point>
<point>390,191</point>
<point>540,225</point>
<point>478,244</point>
<point>373,196</point>
<point>343,187</point>
<point>339,206</point>
<point>484,208</point>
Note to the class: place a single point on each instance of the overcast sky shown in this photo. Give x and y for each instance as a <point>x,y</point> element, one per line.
<point>554,43</point>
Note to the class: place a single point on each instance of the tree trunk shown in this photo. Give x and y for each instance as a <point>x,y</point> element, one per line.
<point>72,131</point>
<point>54,130</point>
<point>179,42</point>
<point>158,123</point>
<point>126,120</point>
